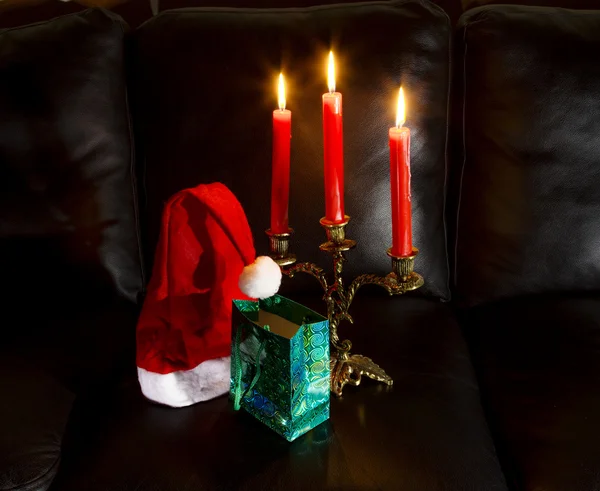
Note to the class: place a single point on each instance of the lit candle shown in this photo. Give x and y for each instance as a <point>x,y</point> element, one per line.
<point>333,148</point>
<point>400,181</point>
<point>280,177</point>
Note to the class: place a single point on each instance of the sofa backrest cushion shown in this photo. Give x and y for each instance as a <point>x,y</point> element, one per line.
<point>15,13</point>
<point>569,4</point>
<point>68,232</point>
<point>529,214</point>
<point>206,90</point>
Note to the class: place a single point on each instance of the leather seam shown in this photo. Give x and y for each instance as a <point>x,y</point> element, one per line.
<point>132,170</point>
<point>446,143</point>
<point>464,159</point>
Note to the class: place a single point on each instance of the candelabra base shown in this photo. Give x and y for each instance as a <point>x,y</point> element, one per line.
<point>347,369</point>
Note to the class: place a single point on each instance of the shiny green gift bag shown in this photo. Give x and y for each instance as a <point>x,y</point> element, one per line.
<point>280,364</point>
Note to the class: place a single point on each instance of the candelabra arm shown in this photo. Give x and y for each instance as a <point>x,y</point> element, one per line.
<point>365,279</point>
<point>310,269</point>
<point>388,283</point>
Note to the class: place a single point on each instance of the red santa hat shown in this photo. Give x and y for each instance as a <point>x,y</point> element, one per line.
<point>205,258</point>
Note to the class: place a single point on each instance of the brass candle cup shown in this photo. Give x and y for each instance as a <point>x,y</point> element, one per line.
<point>279,246</point>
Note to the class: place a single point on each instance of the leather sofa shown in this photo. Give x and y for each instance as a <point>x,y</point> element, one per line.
<point>496,361</point>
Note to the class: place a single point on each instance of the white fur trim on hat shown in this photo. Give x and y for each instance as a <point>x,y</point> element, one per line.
<point>208,380</point>
<point>261,279</point>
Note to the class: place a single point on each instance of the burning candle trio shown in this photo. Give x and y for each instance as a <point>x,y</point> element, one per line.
<point>399,143</point>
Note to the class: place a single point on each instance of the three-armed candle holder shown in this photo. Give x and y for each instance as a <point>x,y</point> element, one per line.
<point>346,368</point>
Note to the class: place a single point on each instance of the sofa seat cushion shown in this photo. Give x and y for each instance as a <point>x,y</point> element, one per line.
<point>426,432</point>
<point>34,409</point>
<point>538,360</point>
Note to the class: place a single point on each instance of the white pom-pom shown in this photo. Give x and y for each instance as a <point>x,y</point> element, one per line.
<point>261,279</point>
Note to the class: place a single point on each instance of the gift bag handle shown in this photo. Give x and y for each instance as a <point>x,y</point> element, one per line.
<point>237,393</point>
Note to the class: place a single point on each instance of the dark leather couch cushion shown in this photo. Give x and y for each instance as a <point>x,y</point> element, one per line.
<point>67,209</point>
<point>452,7</point>
<point>538,360</point>
<point>14,13</point>
<point>569,4</point>
<point>206,87</point>
<point>529,215</point>
<point>425,433</point>
<point>19,12</point>
<point>34,409</point>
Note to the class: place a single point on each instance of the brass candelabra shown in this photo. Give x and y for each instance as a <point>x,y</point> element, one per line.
<point>346,368</point>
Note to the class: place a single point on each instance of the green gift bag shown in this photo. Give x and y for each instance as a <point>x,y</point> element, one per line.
<point>280,364</point>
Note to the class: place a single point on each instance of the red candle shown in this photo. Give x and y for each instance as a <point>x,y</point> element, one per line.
<point>333,148</point>
<point>280,177</point>
<point>400,181</point>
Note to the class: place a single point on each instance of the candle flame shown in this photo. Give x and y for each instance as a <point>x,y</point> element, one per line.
<point>281,92</point>
<point>401,111</point>
<point>331,73</point>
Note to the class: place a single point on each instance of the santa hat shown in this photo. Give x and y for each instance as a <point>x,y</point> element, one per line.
<point>205,258</point>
